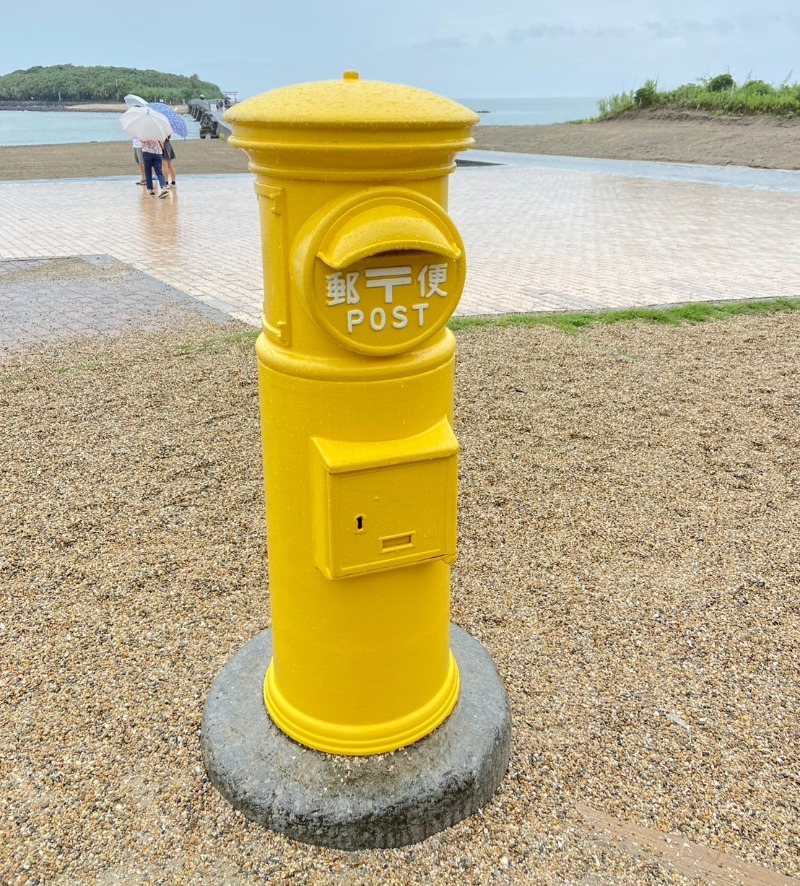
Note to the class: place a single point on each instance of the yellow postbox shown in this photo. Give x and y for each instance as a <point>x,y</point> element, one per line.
<point>362,269</point>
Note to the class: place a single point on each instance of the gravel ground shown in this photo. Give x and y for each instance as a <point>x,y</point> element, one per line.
<point>630,507</point>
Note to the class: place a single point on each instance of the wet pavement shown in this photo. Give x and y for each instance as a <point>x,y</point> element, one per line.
<point>49,301</point>
<point>542,233</point>
<point>731,176</point>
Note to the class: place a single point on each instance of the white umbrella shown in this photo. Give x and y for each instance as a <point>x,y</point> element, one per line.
<point>145,123</point>
<point>133,101</point>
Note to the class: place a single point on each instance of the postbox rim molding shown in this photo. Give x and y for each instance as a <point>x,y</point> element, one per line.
<point>438,350</point>
<point>381,738</point>
<point>353,162</point>
<point>353,128</point>
<point>355,173</point>
<point>324,225</point>
<point>322,139</point>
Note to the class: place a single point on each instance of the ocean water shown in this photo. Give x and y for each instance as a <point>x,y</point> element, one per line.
<point>530,111</point>
<point>68,127</point>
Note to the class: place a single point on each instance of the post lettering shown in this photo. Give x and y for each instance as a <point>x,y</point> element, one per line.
<point>400,320</point>
<point>420,309</point>
<point>377,319</point>
<point>354,318</point>
<point>388,278</point>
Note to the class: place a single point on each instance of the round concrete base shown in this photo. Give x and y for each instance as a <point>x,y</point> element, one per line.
<point>356,802</point>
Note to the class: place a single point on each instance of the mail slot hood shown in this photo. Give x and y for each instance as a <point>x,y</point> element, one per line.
<point>385,228</point>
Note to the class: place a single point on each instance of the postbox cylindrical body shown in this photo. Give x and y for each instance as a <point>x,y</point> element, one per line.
<point>362,269</point>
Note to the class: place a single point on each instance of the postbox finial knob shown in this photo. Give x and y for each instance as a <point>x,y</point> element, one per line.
<point>350,75</point>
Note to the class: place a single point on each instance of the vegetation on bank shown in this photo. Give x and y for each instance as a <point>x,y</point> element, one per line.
<point>74,83</point>
<point>571,322</point>
<point>674,315</point>
<point>720,95</point>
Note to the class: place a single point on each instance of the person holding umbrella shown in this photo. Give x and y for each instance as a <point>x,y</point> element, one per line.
<point>137,158</point>
<point>133,101</point>
<point>178,128</point>
<point>152,155</point>
<point>151,128</point>
<point>168,158</point>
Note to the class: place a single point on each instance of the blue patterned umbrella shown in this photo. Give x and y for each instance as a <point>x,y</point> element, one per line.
<point>175,120</point>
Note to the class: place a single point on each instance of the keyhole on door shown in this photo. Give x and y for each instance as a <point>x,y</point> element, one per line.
<point>360,523</point>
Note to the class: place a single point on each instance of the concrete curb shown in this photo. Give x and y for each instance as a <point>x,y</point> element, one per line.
<point>356,802</point>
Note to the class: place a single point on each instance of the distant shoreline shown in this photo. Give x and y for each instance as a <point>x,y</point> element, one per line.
<point>96,107</point>
<point>765,142</point>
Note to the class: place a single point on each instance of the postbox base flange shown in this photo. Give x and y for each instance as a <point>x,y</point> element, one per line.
<point>372,802</point>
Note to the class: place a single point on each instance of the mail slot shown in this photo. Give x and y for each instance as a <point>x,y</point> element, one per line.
<point>383,271</point>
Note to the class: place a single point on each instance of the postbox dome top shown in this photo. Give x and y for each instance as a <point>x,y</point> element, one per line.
<point>351,103</point>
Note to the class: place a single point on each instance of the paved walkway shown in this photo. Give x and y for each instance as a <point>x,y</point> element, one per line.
<point>45,302</point>
<point>540,237</point>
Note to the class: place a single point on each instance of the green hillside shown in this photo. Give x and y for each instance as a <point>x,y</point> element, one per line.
<point>73,83</point>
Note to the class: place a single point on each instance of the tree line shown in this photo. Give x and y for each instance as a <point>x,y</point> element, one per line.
<point>74,83</point>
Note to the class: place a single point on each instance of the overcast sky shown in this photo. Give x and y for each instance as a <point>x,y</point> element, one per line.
<point>460,48</point>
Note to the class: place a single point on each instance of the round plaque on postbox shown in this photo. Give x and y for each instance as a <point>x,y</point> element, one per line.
<point>385,271</point>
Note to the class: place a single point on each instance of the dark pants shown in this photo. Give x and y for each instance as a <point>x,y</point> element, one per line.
<point>152,162</point>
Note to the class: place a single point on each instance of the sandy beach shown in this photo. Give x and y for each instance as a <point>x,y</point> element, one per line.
<point>768,142</point>
<point>668,136</point>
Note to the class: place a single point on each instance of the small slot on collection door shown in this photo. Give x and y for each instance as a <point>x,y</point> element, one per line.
<point>394,542</point>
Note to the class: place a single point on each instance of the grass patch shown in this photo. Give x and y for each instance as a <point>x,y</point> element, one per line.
<point>572,322</point>
<point>213,344</point>
<point>26,375</point>
<point>719,95</point>
<point>11,377</point>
